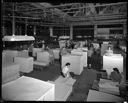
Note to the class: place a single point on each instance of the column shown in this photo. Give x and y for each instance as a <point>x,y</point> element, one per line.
<point>3,29</point>
<point>124,29</point>
<point>51,31</point>
<point>95,30</point>
<point>71,32</point>
<point>125,35</point>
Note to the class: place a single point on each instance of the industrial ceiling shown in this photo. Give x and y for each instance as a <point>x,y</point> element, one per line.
<point>45,13</point>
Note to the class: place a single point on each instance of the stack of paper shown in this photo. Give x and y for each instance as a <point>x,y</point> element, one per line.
<point>109,87</point>
<point>68,81</point>
<point>103,97</point>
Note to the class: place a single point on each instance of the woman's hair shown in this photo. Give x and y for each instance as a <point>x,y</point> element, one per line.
<point>116,69</point>
<point>94,52</point>
<point>91,45</point>
<point>67,64</point>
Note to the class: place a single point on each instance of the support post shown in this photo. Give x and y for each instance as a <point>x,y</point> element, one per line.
<point>95,30</point>
<point>71,32</point>
<point>124,29</point>
<point>51,31</point>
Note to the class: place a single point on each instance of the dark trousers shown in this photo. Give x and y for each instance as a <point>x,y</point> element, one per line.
<point>89,60</point>
<point>62,74</point>
<point>60,63</point>
<point>30,54</point>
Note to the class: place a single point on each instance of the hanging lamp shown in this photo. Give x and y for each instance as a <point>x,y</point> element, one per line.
<point>18,38</point>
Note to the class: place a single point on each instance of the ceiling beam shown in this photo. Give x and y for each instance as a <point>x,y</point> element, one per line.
<point>102,5</point>
<point>98,5</point>
<point>102,22</point>
<point>63,5</point>
<point>55,10</point>
<point>71,4</point>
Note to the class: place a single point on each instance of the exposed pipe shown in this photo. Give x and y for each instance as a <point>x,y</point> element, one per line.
<point>112,4</point>
<point>99,5</point>
<point>23,17</point>
<point>43,23</point>
<point>27,18</point>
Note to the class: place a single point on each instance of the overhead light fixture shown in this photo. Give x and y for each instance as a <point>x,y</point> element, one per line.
<point>18,38</point>
<point>79,36</point>
<point>64,37</point>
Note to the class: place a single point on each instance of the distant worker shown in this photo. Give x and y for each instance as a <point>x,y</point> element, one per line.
<point>51,54</point>
<point>115,75</point>
<point>63,51</point>
<point>31,49</point>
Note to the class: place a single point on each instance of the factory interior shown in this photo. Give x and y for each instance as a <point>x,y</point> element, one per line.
<point>64,51</point>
